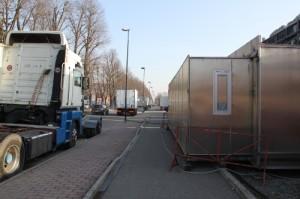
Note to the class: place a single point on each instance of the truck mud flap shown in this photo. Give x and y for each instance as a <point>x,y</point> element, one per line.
<point>91,125</point>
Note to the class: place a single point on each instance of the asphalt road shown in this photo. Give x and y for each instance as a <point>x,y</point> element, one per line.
<point>146,171</point>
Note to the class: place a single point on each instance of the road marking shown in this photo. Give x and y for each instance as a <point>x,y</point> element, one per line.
<point>122,120</point>
<point>150,127</point>
<point>113,120</point>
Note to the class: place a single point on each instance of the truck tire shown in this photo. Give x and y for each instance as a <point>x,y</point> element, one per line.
<point>11,155</point>
<point>73,136</point>
<point>88,132</point>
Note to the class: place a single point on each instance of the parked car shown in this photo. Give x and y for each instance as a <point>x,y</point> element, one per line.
<point>100,109</point>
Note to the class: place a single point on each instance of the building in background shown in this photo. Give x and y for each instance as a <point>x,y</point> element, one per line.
<point>286,34</point>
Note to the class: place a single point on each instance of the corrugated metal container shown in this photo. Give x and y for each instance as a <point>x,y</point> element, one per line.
<point>245,106</point>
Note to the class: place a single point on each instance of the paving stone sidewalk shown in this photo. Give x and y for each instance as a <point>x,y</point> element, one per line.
<point>70,174</point>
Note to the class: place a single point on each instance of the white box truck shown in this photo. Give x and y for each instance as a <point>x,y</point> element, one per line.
<point>164,102</point>
<point>132,102</point>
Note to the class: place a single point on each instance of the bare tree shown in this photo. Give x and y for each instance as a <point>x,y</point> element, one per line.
<point>94,35</point>
<point>136,83</point>
<point>133,83</point>
<point>98,80</point>
<point>110,76</point>
<point>39,15</point>
<point>88,34</point>
<point>10,13</point>
<point>1,29</point>
<point>25,15</point>
<point>48,15</point>
<point>83,19</point>
<point>112,72</point>
<point>76,25</point>
<point>57,19</point>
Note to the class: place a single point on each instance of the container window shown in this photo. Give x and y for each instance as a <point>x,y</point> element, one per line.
<point>222,92</point>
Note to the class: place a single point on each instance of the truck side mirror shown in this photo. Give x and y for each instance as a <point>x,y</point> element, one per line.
<point>77,65</point>
<point>85,83</point>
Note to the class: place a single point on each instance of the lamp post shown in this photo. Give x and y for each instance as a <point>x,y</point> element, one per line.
<point>126,30</point>
<point>152,95</point>
<point>149,88</point>
<point>144,68</point>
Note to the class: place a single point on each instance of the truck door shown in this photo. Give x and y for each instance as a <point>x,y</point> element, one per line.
<point>71,84</point>
<point>77,87</point>
<point>65,81</point>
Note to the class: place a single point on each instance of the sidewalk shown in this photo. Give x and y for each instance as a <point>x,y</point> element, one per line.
<point>145,173</point>
<point>71,173</point>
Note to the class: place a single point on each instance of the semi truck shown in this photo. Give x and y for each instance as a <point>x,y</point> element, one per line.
<point>132,102</point>
<point>41,98</point>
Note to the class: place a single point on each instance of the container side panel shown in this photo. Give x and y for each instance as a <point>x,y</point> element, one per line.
<point>178,105</point>
<point>242,106</point>
<point>185,105</point>
<point>280,97</point>
<point>220,133</point>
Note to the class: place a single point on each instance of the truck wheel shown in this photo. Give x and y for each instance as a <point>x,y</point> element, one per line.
<point>88,132</point>
<point>73,136</point>
<point>11,155</point>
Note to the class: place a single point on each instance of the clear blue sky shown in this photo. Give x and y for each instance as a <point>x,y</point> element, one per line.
<point>164,32</point>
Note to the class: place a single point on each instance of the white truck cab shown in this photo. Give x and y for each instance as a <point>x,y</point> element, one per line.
<point>41,86</point>
<point>37,69</point>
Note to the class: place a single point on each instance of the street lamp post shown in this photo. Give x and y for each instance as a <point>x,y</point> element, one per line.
<point>149,88</point>
<point>126,30</point>
<point>143,68</point>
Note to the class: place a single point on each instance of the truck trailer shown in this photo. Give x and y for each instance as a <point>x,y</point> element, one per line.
<point>244,107</point>
<point>41,98</point>
<point>164,102</point>
<point>132,102</point>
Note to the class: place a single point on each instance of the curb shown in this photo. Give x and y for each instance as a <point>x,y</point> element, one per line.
<point>239,187</point>
<point>111,171</point>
